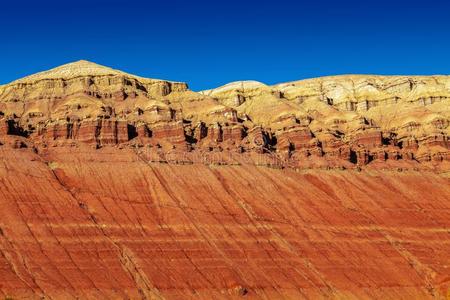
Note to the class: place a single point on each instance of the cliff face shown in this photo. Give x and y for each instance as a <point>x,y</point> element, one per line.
<point>331,122</point>
<point>116,186</point>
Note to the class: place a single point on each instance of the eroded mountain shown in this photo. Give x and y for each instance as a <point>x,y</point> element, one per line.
<point>114,186</point>
<point>330,122</point>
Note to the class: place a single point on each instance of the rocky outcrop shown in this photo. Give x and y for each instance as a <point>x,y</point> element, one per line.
<point>99,132</point>
<point>341,122</point>
<point>172,133</point>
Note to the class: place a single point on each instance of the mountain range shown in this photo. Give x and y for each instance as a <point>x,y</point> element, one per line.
<point>115,186</point>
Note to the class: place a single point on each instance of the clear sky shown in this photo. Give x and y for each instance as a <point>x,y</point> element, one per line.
<point>210,43</point>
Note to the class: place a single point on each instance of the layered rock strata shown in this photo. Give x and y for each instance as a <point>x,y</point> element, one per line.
<point>114,186</point>
<point>106,223</point>
<point>332,122</point>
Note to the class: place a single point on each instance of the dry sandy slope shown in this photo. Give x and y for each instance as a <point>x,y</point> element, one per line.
<point>105,224</point>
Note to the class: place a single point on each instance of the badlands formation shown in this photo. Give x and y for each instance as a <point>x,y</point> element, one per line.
<point>114,186</point>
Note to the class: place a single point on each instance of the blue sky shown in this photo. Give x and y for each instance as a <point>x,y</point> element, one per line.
<point>210,43</point>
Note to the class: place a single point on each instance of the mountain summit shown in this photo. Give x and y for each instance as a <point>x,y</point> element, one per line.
<point>72,70</point>
<point>81,68</point>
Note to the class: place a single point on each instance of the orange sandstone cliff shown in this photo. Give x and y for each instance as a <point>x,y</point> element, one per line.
<point>114,186</point>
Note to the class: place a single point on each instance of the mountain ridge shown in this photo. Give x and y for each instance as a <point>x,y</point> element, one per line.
<point>116,187</point>
<point>79,63</point>
<point>76,69</point>
<point>336,121</point>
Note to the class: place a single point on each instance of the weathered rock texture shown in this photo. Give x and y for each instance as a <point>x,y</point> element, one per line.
<point>331,122</point>
<point>114,186</point>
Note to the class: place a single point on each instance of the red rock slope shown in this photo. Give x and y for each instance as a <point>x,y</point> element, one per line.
<point>105,224</point>
<point>114,186</point>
